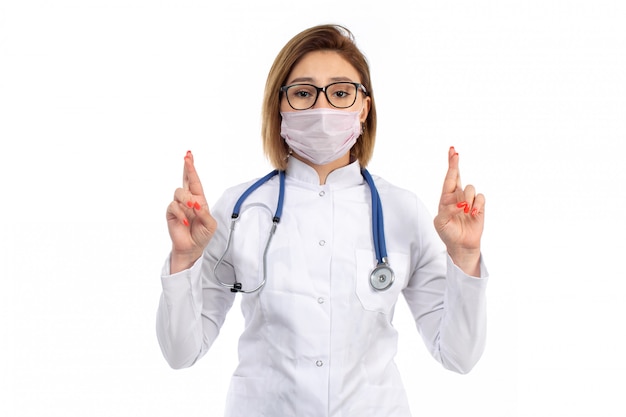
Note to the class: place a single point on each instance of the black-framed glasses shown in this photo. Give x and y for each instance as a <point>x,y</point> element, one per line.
<point>340,95</point>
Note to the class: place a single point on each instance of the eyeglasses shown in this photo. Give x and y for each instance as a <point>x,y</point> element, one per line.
<point>340,95</point>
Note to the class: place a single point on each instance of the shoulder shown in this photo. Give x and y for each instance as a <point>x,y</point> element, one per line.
<point>233,193</point>
<point>265,181</point>
<point>395,198</point>
<point>390,190</point>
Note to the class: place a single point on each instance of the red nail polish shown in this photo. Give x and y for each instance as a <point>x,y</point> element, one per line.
<point>462,204</point>
<point>474,212</point>
<point>467,208</point>
<point>189,204</point>
<point>186,222</point>
<point>197,206</point>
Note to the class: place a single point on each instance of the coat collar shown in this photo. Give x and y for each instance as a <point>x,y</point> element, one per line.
<point>347,176</point>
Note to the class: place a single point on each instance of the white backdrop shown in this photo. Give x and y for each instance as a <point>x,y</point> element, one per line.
<point>100,100</point>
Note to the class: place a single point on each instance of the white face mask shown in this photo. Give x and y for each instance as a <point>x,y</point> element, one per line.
<point>320,135</point>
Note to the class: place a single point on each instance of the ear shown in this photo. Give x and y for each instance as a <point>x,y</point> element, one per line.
<point>367,102</point>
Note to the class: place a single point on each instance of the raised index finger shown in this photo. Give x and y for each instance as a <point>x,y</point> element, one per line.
<point>452,182</point>
<point>191,181</point>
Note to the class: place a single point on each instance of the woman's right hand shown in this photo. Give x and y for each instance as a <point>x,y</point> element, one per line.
<point>189,221</point>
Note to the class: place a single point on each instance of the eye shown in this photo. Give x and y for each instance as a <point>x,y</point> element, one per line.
<point>301,92</point>
<point>341,92</point>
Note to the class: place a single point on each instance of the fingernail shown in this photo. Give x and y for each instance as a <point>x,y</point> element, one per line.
<point>189,204</point>
<point>197,206</point>
<point>462,204</point>
<point>467,208</point>
<point>186,222</point>
<point>474,212</point>
<point>188,154</point>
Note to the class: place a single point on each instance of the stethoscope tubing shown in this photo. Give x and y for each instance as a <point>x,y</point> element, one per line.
<point>382,272</point>
<point>257,184</point>
<point>237,287</point>
<point>378,232</point>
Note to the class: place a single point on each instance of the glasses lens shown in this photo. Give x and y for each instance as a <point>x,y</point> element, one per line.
<point>341,95</point>
<point>301,96</point>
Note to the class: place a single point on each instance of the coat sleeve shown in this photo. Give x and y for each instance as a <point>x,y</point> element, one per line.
<point>448,306</point>
<point>193,305</point>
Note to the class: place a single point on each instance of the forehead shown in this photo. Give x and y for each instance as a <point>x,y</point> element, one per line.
<point>323,67</point>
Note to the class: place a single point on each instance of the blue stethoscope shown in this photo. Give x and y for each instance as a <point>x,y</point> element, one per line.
<point>382,275</point>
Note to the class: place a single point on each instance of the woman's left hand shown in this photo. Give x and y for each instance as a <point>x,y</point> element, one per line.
<point>460,219</point>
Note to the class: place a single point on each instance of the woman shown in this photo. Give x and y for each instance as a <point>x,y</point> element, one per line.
<point>318,337</point>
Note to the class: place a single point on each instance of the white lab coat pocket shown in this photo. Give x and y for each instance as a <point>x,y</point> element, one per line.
<point>381,301</point>
<point>376,401</point>
<point>245,397</point>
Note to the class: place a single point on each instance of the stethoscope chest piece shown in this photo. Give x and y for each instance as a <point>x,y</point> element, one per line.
<point>381,277</point>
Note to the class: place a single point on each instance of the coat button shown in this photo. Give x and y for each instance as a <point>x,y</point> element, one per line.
<point>322,193</point>
<point>319,364</point>
<point>322,242</point>
<point>321,300</point>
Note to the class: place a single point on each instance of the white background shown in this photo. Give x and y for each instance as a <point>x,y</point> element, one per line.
<point>100,100</point>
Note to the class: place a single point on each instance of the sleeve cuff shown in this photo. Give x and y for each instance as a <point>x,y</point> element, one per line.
<point>166,275</point>
<point>484,274</point>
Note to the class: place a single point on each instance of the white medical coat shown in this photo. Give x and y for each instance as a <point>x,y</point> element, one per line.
<point>318,340</point>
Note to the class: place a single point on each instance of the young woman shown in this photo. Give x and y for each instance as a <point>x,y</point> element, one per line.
<point>319,266</point>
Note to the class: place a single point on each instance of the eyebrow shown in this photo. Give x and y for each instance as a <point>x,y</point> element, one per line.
<point>311,80</point>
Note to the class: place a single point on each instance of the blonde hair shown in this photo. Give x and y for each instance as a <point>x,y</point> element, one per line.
<point>324,37</point>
